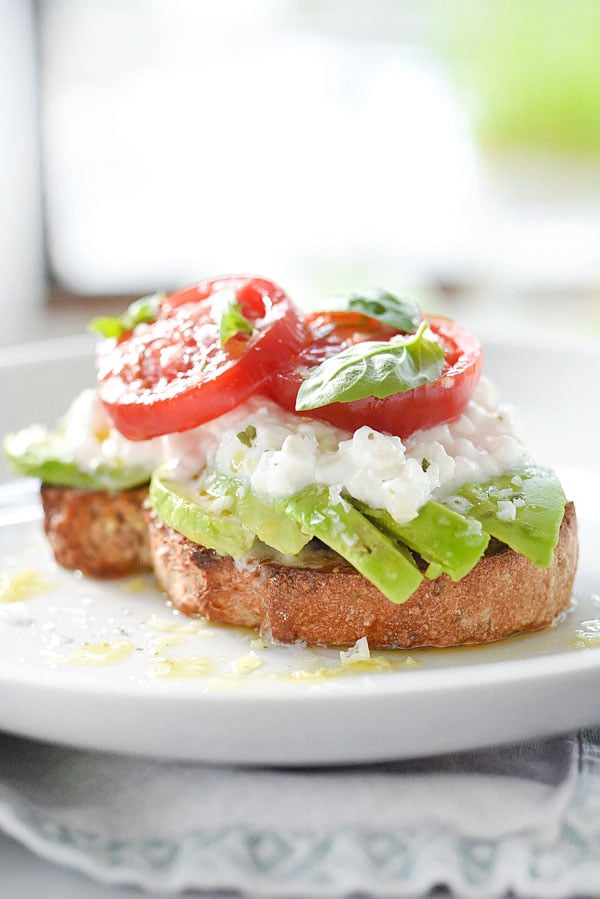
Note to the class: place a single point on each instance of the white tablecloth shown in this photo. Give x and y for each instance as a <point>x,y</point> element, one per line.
<point>525,818</point>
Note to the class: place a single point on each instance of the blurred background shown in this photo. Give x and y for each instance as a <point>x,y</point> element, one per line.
<point>446,149</point>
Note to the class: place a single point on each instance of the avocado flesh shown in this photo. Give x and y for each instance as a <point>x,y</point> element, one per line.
<point>188,511</point>
<point>41,459</point>
<point>340,526</point>
<point>539,503</point>
<point>369,539</point>
<point>264,517</point>
<point>451,543</point>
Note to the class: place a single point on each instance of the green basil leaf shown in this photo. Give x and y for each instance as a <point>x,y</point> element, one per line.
<point>143,310</point>
<point>401,313</point>
<point>233,322</point>
<point>373,368</point>
<point>140,312</point>
<point>105,326</point>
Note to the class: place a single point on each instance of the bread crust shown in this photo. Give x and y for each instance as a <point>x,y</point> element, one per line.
<point>102,534</point>
<point>328,602</point>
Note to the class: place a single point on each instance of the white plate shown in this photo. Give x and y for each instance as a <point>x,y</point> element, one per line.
<point>297,705</point>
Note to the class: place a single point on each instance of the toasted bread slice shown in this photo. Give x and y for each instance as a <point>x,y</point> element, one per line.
<point>102,534</point>
<point>324,600</point>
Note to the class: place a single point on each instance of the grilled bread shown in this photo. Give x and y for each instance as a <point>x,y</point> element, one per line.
<point>102,534</point>
<point>322,599</point>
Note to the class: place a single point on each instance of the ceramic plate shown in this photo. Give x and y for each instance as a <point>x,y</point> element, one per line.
<point>110,666</point>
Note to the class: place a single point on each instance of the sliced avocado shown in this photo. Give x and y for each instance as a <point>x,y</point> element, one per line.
<point>191,512</point>
<point>522,508</point>
<point>450,542</point>
<point>340,526</point>
<point>42,459</point>
<point>265,517</point>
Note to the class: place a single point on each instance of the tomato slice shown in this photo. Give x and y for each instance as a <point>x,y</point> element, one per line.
<point>402,413</point>
<point>173,374</point>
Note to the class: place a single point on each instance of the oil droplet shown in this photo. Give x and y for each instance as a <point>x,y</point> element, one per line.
<point>99,654</point>
<point>237,460</point>
<point>374,665</point>
<point>587,634</point>
<point>167,642</point>
<point>195,666</point>
<point>173,626</point>
<point>228,683</point>
<point>134,585</point>
<point>407,662</point>
<point>21,585</point>
<point>259,643</point>
<point>246,663</point>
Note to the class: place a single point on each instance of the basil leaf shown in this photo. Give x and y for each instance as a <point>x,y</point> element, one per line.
<point>373,368</point>
<point>401,313</point>
<point>233,322</point>
<point>105,326</point>
<point>140,312</point>
<point>143,310</point>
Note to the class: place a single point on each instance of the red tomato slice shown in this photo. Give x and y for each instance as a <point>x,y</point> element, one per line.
<point>172,374</point>
<point>402,413</point>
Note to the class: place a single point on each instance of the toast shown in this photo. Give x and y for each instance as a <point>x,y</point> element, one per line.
<point>100,533</point>
<point>324,600</point>
<point>378,401</point>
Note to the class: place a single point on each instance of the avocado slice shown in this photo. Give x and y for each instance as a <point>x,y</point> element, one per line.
<point>522,508</point>
<point>41,458</point>
<point>265,517</point>
<point>340,526</point>
<point>450,542</point>
<point>187,509</point>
